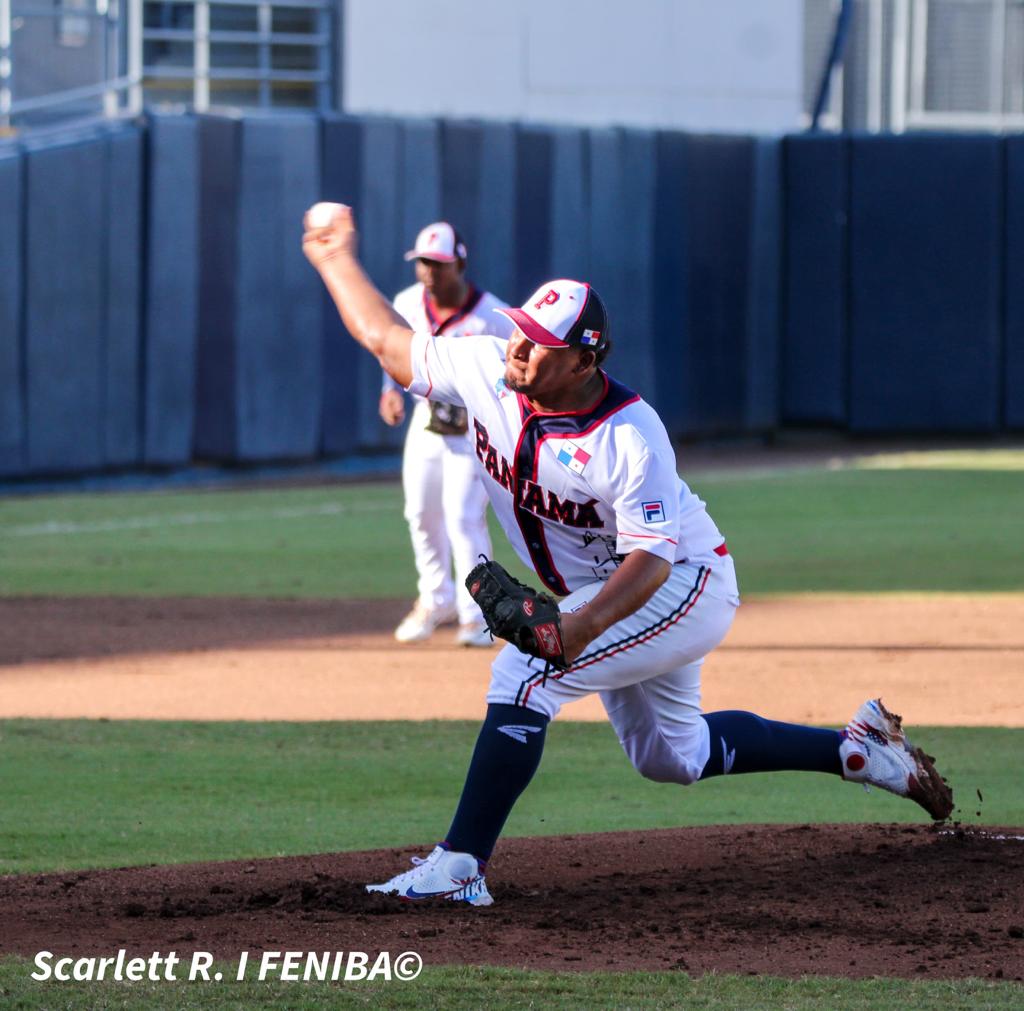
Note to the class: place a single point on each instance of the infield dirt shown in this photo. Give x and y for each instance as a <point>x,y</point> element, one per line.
<point>941,660</point>
<point>867,900</point>
<point>852,900</point>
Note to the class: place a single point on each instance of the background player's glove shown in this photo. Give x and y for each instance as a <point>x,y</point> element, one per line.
<point>448,419</point>
<point>528,619</point>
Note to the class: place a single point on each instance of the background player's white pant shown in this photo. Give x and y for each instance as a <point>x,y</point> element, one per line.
<point>445,507</point>
<point>646,669</point>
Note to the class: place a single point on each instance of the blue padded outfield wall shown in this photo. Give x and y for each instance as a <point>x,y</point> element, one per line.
<point>926,233</point>
<point>260,330</point>
<point>122,296</point>
<point>156,309</point>
<point>1013,379</point>
<point>814,337</point>
<point>12,394</point>
<point>172,290</point>
<point>63,316</point>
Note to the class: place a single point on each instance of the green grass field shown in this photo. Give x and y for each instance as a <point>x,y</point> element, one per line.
<point>106,794</point>
<point>469,990</point>
<point>820,530</point>
<point>122,793</point>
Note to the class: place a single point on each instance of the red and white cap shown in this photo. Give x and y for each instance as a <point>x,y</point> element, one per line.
<point>439,242</point>
<point>563,314</point>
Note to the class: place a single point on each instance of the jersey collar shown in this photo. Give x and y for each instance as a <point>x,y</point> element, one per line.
<point>473,297</point>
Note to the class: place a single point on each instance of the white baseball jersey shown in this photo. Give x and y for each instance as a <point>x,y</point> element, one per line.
<point>477,315</point>
<point>574,492</point>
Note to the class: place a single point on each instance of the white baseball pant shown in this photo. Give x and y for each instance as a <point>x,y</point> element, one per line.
<point>646,669</point>
<point>446,509</point>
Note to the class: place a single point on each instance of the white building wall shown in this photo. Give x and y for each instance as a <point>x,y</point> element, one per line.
<point>732,65</point>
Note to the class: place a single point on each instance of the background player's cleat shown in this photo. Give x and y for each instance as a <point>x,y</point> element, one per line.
<point>420,623</point>
<point>474,635</point>
<point>455,877</point>
<point>875,751</point>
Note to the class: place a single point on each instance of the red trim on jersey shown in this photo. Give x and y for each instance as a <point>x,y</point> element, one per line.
<point>570,435</point>
<point>527,411</point>
<point>583,410</point>
<point>557,675</point>
<point>721,550</point>
<point>575,435</point>
<point>426,368</point>
<point>653,537</point>
<point>563,589</point>
<point>652,635</point>
<point>472,299</point>
<point>540,536</point>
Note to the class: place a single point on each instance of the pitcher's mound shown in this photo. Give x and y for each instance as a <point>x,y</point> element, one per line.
<point>842,900</point>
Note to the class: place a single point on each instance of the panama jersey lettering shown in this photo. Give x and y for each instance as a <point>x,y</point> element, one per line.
<point>574,492</point>
<point>529,496</point>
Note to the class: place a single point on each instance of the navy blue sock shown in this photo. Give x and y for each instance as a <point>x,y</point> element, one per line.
<point>505,758</point>
<point>743,742</point>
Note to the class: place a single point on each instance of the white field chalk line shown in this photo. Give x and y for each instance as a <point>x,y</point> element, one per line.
<point>66,527</point>
<point>984,835</point>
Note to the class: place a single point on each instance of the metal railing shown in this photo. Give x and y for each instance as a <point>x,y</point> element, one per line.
<point>921,64</point>
<point>116,84</point>
<point>81,58</point>
<point>232,48</point>
<point>962,60</point>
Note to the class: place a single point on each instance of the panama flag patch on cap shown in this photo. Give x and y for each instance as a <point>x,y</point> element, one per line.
<point>591,338</point>
<point>573,457</point>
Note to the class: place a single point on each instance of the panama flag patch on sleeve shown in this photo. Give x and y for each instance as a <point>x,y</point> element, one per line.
<point>573,457</point>
<point>654,512</point>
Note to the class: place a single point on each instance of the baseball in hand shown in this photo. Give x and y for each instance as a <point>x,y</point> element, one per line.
<point>321,215</point>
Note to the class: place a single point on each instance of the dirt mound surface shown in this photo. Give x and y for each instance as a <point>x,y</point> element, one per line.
<point>863,900</point>
<point>805,659</point>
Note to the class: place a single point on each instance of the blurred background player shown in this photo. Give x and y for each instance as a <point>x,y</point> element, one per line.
<point>445,501</point>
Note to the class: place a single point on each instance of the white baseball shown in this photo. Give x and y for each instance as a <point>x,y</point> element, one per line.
<point>321,215</point>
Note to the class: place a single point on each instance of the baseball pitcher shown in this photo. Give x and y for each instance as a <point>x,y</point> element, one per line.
<point>581,475</point>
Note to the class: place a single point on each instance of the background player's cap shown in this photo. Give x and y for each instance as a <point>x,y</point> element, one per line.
<point>562,314</point>
<point>439,242</point>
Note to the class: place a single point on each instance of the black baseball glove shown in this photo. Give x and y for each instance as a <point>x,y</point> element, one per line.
<point>448,419</point>
<point>528,619</point>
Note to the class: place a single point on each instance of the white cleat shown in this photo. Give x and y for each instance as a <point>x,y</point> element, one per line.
<point>455,877</point>
<point>476,635</point>
<point>420,623</point>
<point>875,751</point>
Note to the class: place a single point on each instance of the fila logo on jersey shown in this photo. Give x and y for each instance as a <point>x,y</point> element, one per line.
<point>654,512</point>
<point>532,497</point>
<point>501,389</point>
<point>573,457</point>
<point>518,731</point>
